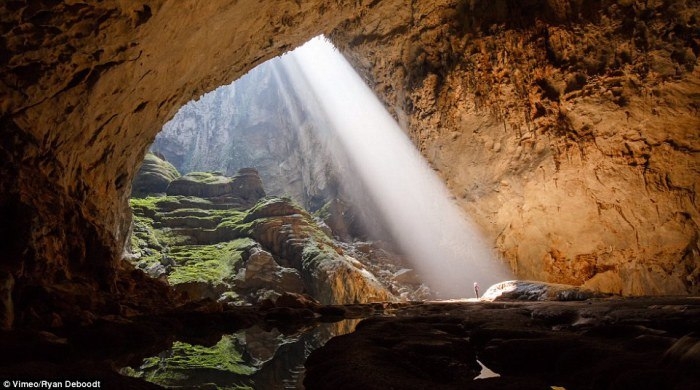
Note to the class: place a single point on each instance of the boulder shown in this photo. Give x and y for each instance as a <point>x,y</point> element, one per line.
<point>297,301</point>
<point>245,187</point>
<point>153,177</point>
<point>526,290</point>
<point>261,271</point>
<point>201,184</point>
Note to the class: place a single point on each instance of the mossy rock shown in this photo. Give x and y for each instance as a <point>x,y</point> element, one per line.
<point>274,207</point>
<point>184,363</point>
<point>201,184</point>
<point>212,264</point>
<point>153,177</point>
<point>245,188</point>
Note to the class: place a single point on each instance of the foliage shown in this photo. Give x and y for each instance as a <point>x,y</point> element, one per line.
<point>182,361</point>
<point>207,263</point>
<point>206,177</point>
<point>166,168</point>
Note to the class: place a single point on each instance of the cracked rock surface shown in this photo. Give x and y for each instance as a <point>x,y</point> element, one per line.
<point>600,344</point>
<point>568,129</point>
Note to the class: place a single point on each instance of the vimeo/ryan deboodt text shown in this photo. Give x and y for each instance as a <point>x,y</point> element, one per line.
<point>67,384</point>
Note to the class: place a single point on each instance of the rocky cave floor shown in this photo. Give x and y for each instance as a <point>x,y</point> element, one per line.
<point>612,343</point>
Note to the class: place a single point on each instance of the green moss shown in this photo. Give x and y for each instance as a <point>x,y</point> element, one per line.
<point>165,167</point>
<point>233,221</point>
<point>324,212</point>
<point>315,252</point>
<point>207,177</point>
<point>145,206</point>
<point>170,238</point>
<point>207,219</point>
<point>187,212</point>
<point>223,356</point>
<point>183,361</point>
<point>142,228</point>
<point>145,242</point>
<point>153,177</point>
<point>170,203</point>
<point>207,263</point>
<point>191,221</point>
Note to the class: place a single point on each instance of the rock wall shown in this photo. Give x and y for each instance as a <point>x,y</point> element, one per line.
<point>219,237</point>
<point>568,128</point>
<point>84,88</point>
<point>256,122</point>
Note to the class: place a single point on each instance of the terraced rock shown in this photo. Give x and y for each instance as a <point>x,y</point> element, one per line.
<point>153,177</point>
<point>216,247</point>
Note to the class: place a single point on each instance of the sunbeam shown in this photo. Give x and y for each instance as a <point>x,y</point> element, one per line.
<point>446,249</point>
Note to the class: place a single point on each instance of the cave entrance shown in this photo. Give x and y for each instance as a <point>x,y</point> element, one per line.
<point>307,128</point>
<point>295,178</point>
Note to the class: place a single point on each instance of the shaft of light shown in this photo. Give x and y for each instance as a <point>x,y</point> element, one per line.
<point>445,248</point>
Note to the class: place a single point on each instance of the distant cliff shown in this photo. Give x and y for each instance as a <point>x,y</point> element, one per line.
<point>257,122</point>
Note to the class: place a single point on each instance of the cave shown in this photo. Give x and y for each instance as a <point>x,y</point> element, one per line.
<point>568,131</point>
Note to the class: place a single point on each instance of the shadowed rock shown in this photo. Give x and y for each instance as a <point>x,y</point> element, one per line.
<point>246,187</point>
<point>524,290</point>
<point>596,344</point>
<point>153,177</point>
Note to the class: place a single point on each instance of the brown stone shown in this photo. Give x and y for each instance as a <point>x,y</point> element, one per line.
<point>618,343</point>
<point>606,172</point>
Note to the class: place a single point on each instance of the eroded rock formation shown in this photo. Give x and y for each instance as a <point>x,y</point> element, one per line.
<point>217,237</point>
<point>260,122</point>
<point>567,128</point>
<point>635,343</point>
<point>154,176</point>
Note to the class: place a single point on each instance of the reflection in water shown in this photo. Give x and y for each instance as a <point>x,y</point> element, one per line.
<point>486,372</point>
<point>253,358</point>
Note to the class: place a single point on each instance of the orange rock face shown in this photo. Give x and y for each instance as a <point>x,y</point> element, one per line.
<point>568,130</point>
<point>559,125</point>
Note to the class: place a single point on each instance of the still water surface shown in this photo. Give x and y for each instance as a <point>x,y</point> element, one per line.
<point>253,358</point>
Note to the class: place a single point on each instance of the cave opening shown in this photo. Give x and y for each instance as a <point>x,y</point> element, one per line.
<point>299,135</point>
<point>314,132</point>
<point>571,132</point>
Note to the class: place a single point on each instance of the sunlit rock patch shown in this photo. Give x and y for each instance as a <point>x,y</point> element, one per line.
<point>524,290</point>
<point>220,248</point>
<point>154,176</point>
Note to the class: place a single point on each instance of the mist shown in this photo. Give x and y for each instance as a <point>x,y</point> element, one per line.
<point>443,245</point>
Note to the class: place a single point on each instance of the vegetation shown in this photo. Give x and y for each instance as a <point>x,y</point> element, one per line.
<point>197,241</point>
<point>166,168</point>
<point>154,176</point>
<point>212,264</point>
<point>184,361</point>
<point>207,177</point>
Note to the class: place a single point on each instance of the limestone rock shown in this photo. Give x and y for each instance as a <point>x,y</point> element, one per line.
<point>406,275</point>
<point>565,130</point>
<point>235,255</point>
<point>342,219</point>
<point>261,271</point>
<point>519,290</point>
<point>603,171</point>
<point>297,301</point>
<point>197,290</point>
<point>153,177</point>
<point>260,122</point>
<point>246,187</point>
<point>290,233</point>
